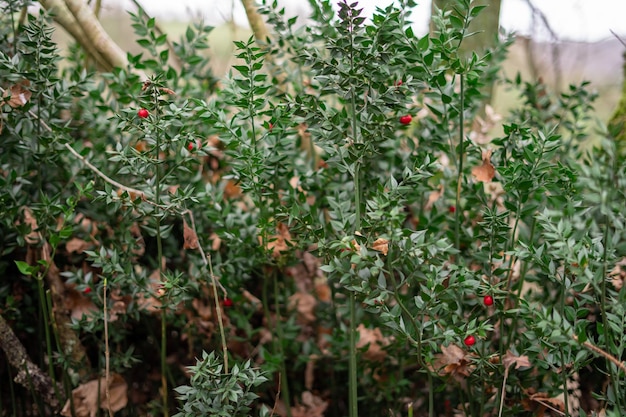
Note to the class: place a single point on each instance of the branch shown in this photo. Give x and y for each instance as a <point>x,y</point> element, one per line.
<point>259,28</point>
<point>28,375</point>
<point>96,34</point>
<point>64,17</point>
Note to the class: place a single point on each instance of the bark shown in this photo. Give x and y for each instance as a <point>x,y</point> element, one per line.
<point>29,375</point>
<point>64,17</point>
<point>259,28</point>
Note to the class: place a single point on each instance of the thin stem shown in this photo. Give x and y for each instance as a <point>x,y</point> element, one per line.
<point>281,338</point>
<point>220,319</point>
<point>159,242</point>
<point>107,354</point>
<point>457,211</point>
<point>352,364</point>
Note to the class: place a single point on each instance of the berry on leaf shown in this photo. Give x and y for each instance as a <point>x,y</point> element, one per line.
<point>87,290</point>
<point>470,340</point>
<point>488,300</point>
<point>143,113</point>
<point>190,146</point>
<point>406,119</point>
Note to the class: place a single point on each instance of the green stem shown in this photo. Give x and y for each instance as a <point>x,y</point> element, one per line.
<point>352,364</point>
<point>457,215</point>
<point>281,337</point>
<point>159,242</point>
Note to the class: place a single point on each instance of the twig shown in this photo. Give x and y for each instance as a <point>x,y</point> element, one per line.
<point>106,351</point>
<point>606,355</point>
<point>556,53</point>
<point>618,38</point>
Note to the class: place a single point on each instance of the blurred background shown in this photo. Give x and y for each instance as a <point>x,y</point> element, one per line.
<point>560,41</point>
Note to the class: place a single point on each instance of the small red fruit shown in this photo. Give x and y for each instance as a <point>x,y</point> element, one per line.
<point>87,290</point>
<point>270,126</point>
<point>452,209</point>
<point>190,146</point>
<point>398,83</point>
<point>470,340</point>
<point>143,113</point>
<point>405,120</point>
<point>488,300</point>
<point>228,302</point>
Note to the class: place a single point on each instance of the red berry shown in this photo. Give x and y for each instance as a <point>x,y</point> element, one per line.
<point>228,302</point>
<point>488,300</point>
<point>405,120</point>
<point>190,146</point>
<point>398,83</point>
<point>270,126</point>
<point>143,113</point>
<point>470,340</point>
<point>87,290</point>
<point>452,209</point>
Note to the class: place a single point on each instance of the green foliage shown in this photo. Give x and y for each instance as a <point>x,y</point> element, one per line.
<point>301,185</point>
<point>213,393</point>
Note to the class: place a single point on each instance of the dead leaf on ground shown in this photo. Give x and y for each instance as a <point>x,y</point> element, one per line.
<point>381,245</point>
<point>85,397</point>
<point>311,406</point>
<point>279,242</point>
<point>77,245</point>
<point>486,171</point>
<point>433,197</point>
<point>190,237</point>
<point>453,361</point>
<point>510,358</point>
<point>19,94</point>
<point>618,274</point>
<point>538,402</point>
<point>79,305</point>
<point>304,304</point>
<point>374,338</point>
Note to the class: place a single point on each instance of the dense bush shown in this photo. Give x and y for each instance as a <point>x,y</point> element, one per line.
<point>334,221</point>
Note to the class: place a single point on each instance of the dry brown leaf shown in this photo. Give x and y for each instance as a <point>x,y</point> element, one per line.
<point>509,359</point>
<point>19,94</point>
<point>453,361</point>
<point>433,197</point>
<point>33,237</point>
<point>279,242</point>
<point>190,237</point>
<point>85,397</point>
<point>486,171</point>
<point>374,338</point>
<point>77,245</point>
<point>381,245</point>
<point>304,304</point>
<point>618,274</point>
<point>148,301</point>
<point>311,406</point>
<point>79,305</point>
<point>539,402</point>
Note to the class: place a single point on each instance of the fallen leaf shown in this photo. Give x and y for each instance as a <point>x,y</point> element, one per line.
<point>304,304</point>
<point>85,397</point>
<point>433,197</point>
<point>79,305</point>
<point>19,94</point>
<point>279,242</point>
<point>509,359</point>
<point>311,406</point>
<point>453,361</point>
<point>374,340</point>
<point>618,274</point>
<point>486,171</point>
<point>190,237</point>
<point>381,245</point>
<point>77,245</point>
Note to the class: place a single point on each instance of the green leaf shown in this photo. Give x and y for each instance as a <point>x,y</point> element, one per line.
<point>25,268</point>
